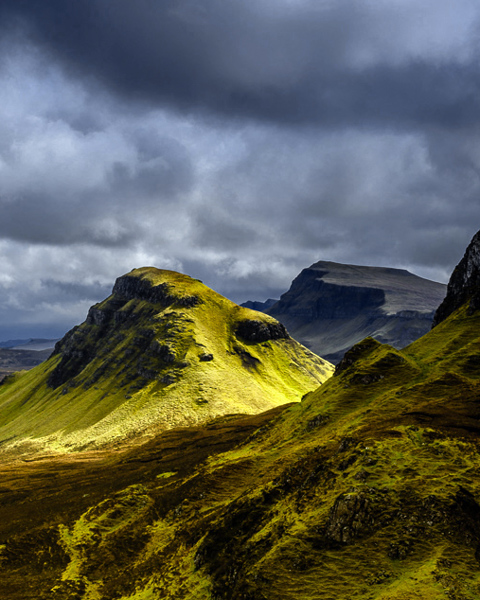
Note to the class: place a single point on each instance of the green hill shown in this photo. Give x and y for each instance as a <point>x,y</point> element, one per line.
<point>368,489</point>
<point>163,350</point>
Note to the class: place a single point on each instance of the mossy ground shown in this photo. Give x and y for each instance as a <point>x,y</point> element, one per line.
<point>143,364</point>
<point>368,489</point>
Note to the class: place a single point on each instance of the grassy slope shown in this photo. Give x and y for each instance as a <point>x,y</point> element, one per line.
<point>367,489</point>
<point>145,369</point>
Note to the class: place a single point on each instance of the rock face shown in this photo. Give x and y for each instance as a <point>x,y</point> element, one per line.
<point>464,284</point>
<point>330,307</point>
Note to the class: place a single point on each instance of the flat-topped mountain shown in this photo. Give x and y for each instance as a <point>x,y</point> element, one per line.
<point>163,350</point>
<point>331,306</point>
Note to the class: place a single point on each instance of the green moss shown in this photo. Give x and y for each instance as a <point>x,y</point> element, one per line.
<point>137,364</point>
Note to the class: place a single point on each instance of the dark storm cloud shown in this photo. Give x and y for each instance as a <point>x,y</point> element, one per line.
<point>236,141</point>
<point>258,60</point>
<point>87,191</point>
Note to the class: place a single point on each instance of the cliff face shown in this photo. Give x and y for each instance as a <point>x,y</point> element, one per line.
<point>331,306</point>
<point>464,284</point>
<point>163,350</point>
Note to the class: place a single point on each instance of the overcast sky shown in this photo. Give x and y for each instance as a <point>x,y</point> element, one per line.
<point>237,141</point>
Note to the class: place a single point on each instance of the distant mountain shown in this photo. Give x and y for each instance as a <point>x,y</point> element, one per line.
<point>13,359</point>
<point>260,306</point>
<point>37,344</point>
<point>163,350</point>
<point>13,343</point>
<point>22,355</point>
<point>331,306</point>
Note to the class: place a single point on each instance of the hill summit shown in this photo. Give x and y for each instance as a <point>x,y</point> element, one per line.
<point>331,306</point>
<point>163,350</point>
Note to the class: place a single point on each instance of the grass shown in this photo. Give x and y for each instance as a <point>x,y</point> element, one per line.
<point>368,489</point>
<point>143,364</point>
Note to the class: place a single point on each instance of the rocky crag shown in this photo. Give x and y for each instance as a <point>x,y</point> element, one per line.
<point>330,307</point>
<point>464,284</point>
<point>163,350</point>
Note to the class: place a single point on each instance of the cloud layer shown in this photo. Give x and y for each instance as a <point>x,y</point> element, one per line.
<point>236,141</point>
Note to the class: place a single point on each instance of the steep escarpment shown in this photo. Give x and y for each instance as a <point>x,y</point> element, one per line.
<point>330,306</point>
<point>163,350</point>
<point>464,284</point>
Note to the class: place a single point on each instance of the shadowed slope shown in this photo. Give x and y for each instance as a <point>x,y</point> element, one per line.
<point>163,350</point>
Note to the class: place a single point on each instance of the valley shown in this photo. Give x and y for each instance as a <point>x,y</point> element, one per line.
<point>366,487</point>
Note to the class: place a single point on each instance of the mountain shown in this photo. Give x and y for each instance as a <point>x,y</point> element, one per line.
<point>162,351</point>
<point>30,344</point>
<point>36,344</point>
<point>12,343</point>
<point>12,359</point>
<point>330,307</point>
<point>367,489</point>
<point>20,355</point>
<point>260,306</point>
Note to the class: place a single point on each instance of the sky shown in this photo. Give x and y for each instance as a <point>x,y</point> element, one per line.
<point>236,141</point>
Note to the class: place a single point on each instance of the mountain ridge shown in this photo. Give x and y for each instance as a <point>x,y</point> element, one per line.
<point>331,306</point>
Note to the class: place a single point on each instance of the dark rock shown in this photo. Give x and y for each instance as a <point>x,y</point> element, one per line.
<point>464,284</point>
<point>163,351</point>
<point>318,421</point>
<point>259,331</point>
<point>130,287</point>
<point>77,351</point>
<point>206,357</point>
<point>400,550</point>
<point>168,379</point>
<point>248,361</point>
<point>464,515</point>
<point>351,515</point>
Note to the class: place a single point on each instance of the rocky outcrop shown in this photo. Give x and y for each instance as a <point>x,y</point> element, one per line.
<point>129,287</point>
<point>259,331</point>
<point>464,284</point>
